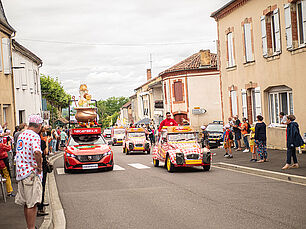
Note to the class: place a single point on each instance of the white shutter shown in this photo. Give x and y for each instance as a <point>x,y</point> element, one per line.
<point>248,42</point>
<point>257,101</point>
<point>7,64</point>
<point>234,103</point>
<point>264,36</point>
<point>277,30</point>
<point>229,49</point>
<point>288,25</point>
<point>244,104</point>
<point>304,18</point>
<point>31,79</point>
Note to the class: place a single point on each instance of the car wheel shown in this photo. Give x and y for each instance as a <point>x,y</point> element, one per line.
<point>127,151</point>
<point>65,169</point>
<point>169,165</point>
<point>111,168</point>
<point>155,163</point>
<point>206,167</point>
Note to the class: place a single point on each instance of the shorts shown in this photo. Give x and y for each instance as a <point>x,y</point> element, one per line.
<point>29,191</point>
<point>228,144</point>
<point>237,135</point>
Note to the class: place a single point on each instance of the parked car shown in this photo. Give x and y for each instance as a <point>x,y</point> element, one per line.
<point>178,147</point>
<point>215,131</point>
<point>87,149</point>
<point>135,141</point>
<point>107,133</point>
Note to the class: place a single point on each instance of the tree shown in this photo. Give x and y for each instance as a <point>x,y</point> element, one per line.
<point>109,109</point>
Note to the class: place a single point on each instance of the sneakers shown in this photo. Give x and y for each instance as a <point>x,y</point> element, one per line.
<point>42,213</point>
<point>11,194</point>
<point>246,150</point>
<point>253,160</point>
<point>294,166</point>
<point>226,155</point>
<point>230,156</point>
<point>287,166</point>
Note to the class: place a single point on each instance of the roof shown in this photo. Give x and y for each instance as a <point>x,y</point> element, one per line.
<point>3,19</point>
<point>191,63</point>
<point>126,105</point>
<point>24,51</point>
<point>149,81</point>
<point>228,7</point>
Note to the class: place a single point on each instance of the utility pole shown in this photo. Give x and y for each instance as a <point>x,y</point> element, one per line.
<point>151,61</point>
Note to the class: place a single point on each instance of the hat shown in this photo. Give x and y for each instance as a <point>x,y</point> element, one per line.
<point>35,119</point>
<point>227,126</point>
<point>203,127</point>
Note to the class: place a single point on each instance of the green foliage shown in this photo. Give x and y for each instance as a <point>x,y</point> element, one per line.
<point>109,109</point>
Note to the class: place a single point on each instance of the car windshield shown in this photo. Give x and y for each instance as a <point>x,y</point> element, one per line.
<point>175,137</point>
<point>136,134</point>
<point>119,131</point>
<point>86,139</point>
<point>216,128</point>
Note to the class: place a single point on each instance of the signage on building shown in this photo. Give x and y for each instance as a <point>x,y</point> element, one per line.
<point>198,111</point>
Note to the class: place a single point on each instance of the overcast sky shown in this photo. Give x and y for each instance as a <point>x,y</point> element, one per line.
<point>107,44</point>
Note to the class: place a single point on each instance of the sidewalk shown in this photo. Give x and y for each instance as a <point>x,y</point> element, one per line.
<point>11,214</point>
<point>277,159</point>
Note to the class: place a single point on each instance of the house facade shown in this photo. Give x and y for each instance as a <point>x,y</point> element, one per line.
<point>7,106</point>
<point>26,82</point>
<point>262,51</point>
<point>191,89</point>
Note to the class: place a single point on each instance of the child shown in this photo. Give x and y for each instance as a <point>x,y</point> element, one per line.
<point>228,139</point>
<point>253,145</point>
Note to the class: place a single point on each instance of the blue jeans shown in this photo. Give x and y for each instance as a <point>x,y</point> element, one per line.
<point>291,152</point>
<point>246,142</point>
<point>53,145</point>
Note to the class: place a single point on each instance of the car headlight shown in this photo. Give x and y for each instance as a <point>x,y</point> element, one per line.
<point>70,155</point>
<point>107,153</point>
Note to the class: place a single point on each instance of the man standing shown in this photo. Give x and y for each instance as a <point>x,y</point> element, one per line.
<point>237,131</point>
<point>167,122</point>
<point>29,170</point>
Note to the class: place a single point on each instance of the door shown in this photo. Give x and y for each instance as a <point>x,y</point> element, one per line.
<point>179,118</point>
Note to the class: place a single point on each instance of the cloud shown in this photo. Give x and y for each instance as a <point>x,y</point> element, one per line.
<point>111,70</point>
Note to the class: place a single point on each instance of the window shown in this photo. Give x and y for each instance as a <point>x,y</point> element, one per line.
<point>248,42</point>
<point>178,91</point>
<point>270,28</point>
<point>295,20</point>
<point>280,100</point>
<point>244,103</point>
<point>234,108</point>
<point>21,116</point>
<point>230,50</point>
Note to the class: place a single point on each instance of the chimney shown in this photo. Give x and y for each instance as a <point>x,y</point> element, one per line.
<point>205,58</point>
<point>149,74</point>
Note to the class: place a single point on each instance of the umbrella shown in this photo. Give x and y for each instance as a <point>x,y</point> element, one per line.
<point>144,121</point>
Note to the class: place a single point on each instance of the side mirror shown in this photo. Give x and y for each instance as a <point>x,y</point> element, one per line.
<point>109,143</point>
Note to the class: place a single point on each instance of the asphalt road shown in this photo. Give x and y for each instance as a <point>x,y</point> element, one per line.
<point>146,197</point>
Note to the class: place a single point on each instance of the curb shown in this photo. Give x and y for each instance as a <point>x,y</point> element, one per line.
<point>301,180</point>
<point>56,218</point>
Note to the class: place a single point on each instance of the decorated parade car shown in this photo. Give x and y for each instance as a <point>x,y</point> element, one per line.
<point>117,135</point>
<point>135,140</point>
<point>107,133</point>
<point>178,147</point>
<point>87,149</point>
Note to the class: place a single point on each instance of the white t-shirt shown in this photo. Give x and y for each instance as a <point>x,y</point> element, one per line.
<point>1,132</point>
<point>27,143</point>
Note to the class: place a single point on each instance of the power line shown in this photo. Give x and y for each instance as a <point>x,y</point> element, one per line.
<point>115,44</point>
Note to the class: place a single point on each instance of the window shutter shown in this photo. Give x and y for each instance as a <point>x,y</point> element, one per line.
<point>288,25</point>
<point>257,101</point>
<point>229,50</point>
<point>244,103</point>
<point>304,18</point>
<point>7,64</point>
<point>277,30</point>
<point>264,36</point>
<point>178,91</point>
<point>31,80</point>
<point>248,42</point>
<point>234,103</point>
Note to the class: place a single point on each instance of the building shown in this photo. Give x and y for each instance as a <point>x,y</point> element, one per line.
<point>262,51</point>
<point>148,100</point>
<point>125,114</point>
<point>27,82</point>
<point>7,106</point>
<point>191,89</point>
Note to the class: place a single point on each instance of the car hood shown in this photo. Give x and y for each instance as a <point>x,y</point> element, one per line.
<point>88,149</point>
<point>137,140</point>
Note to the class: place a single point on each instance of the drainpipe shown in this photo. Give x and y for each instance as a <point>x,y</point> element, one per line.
<point>13,82</point>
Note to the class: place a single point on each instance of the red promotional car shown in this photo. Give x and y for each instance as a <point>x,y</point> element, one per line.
<point>87,149</point>
<point>178,147</point>
<point>135,140</point>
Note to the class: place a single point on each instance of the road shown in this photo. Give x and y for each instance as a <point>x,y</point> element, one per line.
<point>141,196</point>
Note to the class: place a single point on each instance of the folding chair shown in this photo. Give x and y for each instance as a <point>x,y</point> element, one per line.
<point>2,181</point>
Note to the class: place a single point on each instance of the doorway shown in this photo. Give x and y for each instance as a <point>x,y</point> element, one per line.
<point>179,118</point>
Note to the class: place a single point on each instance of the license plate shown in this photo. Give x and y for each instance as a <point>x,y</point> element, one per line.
<point>212,141</point>
<point>193,162</point>
<point>92,166</point>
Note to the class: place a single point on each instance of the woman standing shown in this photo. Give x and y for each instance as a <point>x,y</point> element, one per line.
<point>261,139</point>
<point>294,140</point>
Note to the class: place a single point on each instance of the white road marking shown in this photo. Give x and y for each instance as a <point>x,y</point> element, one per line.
<point>118,168</point>
<point>139,166</point>
<point>60,171</point>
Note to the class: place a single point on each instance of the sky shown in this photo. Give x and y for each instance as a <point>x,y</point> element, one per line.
<point>107,44</point>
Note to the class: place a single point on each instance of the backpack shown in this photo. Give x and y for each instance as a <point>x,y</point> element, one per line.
<point>230,135</point>
<point>249,128</point>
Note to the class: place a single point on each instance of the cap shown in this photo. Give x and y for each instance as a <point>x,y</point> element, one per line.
<point>35,119</point>
<point>203,127</point>
<point>227,126</point>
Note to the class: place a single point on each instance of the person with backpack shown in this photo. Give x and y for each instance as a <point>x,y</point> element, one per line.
<point>245,130</point>
<point>228,141</point>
